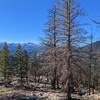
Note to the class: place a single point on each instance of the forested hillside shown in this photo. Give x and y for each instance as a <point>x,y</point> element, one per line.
<point>28,70</point>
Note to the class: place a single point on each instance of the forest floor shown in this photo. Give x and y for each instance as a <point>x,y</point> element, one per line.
<point>40,92</point>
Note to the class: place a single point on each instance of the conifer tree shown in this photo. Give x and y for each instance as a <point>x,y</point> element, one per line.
<point>5,67</point>
<point>51,44</point>
<point>72,36</point>
<point>34,66</point>
<point>21,64</point>
<point>25,63</point>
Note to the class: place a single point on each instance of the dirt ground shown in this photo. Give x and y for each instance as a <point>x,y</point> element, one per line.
<point>40,92</point>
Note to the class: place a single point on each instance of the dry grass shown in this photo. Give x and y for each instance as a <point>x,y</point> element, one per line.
<point>41,91</point>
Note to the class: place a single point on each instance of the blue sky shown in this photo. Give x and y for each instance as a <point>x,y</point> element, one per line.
<point>23,20</point>
<point>92,9</point>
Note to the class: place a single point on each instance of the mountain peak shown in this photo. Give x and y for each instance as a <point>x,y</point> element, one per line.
<point>30,47</point>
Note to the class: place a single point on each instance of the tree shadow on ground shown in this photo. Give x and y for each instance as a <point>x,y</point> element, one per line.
<point>18,97</point>
<point>38,89</point>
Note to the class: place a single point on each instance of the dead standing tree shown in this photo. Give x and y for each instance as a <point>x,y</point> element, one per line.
<point>68,13</point>
<point>91,62</point>
<point>51,43</point>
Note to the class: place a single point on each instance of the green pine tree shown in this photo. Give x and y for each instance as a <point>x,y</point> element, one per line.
<point>4,63</point>
<point>21,64</point>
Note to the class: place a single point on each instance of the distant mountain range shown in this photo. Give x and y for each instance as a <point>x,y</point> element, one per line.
<point>30,47</point>
<point>96,47</point>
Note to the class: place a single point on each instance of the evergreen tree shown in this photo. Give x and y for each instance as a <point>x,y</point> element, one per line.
<point>34,62</point>
<point>5,67</point>
<point>12,65</point>
<point>21,64</point>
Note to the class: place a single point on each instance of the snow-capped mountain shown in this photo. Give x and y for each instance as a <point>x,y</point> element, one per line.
<point>30,47</point>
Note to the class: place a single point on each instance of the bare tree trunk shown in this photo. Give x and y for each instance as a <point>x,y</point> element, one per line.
<point>69,51</point>
<point>35,75</point>
<point>27,80</point>
<point>91,62</point>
